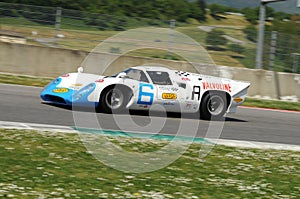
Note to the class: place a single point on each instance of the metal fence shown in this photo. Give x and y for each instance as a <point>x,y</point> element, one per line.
<point>76,29</point>
<point>282,52</point>
<point>72,29</point>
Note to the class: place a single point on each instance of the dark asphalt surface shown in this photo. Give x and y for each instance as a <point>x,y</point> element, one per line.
<point>23,104</point>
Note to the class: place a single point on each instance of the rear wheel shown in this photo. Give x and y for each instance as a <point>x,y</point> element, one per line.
<point>213,106</point>
<point>112,100</point>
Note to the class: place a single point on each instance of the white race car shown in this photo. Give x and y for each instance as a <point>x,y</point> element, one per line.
<point>145,87</point>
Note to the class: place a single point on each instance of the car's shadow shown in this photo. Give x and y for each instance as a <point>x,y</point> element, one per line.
<point>145,113</point>
<point>58,105</point>
<point>230,119</point>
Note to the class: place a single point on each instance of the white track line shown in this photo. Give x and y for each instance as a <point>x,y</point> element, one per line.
<point>33,126</point>
<point>225,142</point>
<point>255,145</point>
<point>269,109</point>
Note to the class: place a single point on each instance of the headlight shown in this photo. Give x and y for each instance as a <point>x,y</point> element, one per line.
<point>56,81</point>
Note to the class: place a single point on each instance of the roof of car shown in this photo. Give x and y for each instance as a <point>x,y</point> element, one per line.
<point>152,68</point>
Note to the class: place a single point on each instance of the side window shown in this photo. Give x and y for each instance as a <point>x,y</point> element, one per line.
<point>133,74</point>
<point>137,75</point>
<point>144,78</point>
<point>160,78</point>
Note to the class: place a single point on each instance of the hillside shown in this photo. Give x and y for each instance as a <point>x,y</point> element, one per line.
<point>288,6</point>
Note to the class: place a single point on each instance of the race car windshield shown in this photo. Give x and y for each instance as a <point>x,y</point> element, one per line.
<point>125,71</point>
<point>160,78</point>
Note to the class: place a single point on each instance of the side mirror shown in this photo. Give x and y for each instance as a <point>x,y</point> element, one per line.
<point>122,75</point>
<point>80,69</point>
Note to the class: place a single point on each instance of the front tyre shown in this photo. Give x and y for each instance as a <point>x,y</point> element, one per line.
<point>112,100</point>
<point>213,106</point>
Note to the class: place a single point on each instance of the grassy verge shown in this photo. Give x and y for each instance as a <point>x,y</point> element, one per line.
<point>24,80</point>
<point>272,104</point>
<point>56,165</point>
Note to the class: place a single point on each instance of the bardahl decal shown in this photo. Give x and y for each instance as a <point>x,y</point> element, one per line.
<point>60,90</point>
<point>169,96</point>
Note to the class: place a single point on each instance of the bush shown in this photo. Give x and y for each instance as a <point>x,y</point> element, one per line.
<point>215,38</point>
<point>236,48</point>
<point>251,33</point>
<point>106,22</point>
<point>9,13</point>
<point>38,16</point>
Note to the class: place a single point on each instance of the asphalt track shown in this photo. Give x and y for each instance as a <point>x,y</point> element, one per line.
<point>23,104</point>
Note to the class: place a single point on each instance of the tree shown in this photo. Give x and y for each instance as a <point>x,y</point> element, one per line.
<point>281,16</point>
<point>216,9</point>
<point>215,38</point>
<point>251,15</point>
<point>270,12</point>
<point>202,6</point>
<point>196,12</point>
<point>289,27</point>
<point>176,9</point>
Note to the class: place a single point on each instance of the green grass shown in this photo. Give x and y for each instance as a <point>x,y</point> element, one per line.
<point>24,80</point>
<point>75,24</point>
<point>272,104</point>
<point>249,58</point>
<point>237,34</point>
<point>19,21</point>
<point>194,32</point>
<point>57,165</point>
<point>229,20</point>
<point>225,58</point>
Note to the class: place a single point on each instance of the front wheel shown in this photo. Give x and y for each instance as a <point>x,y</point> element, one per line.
<point>213,106</point>
<point>112,100</point>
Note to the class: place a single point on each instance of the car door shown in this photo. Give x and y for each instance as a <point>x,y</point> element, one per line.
<point>168,93</point>
<point>144,92</point>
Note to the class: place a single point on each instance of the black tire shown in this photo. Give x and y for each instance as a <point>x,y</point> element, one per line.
<point>113,100</point>
<point>213,106</point>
